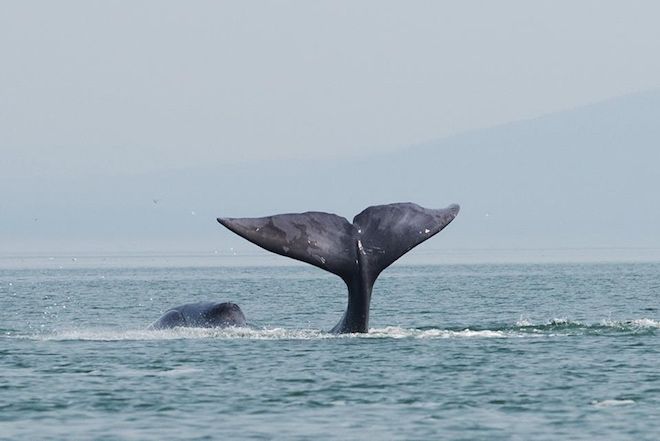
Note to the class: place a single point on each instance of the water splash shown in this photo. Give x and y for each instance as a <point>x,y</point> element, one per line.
<point>392,332</point>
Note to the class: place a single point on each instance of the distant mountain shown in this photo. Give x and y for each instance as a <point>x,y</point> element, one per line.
<point>586,177</point>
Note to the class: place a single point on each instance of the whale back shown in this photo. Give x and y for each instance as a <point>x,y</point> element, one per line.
<point>202,315</point>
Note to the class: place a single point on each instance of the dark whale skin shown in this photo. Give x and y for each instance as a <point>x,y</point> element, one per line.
<point>201,315</point>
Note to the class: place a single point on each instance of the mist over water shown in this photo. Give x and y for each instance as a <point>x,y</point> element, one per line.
<point>454,351</point>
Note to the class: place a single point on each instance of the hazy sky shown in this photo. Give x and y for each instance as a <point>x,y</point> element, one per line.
<point>131,86</point>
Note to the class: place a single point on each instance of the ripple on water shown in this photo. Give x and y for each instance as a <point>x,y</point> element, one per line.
<point>582,359</point>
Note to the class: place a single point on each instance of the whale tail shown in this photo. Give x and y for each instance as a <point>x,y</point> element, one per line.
<point>357,252</point>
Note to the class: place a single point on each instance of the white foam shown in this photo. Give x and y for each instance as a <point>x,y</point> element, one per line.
<point>646,323</point>
<point>176,372</point>
<point>612,403</point>
<point>397,332</point>
<point>180,334</point>
<point>636,323</point>
<point>465,333</point>
<point>393,332</point>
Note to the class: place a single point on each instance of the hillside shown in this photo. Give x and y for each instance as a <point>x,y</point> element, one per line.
<point>585,177</point>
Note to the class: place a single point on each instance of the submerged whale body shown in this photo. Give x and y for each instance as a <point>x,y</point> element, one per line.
<point>201,315</point>
<point>357,252</point>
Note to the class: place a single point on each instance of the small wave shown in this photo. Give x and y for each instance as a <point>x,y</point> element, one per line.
<point>631,324</point>
<point>176,372</point>
<point>556,326</point>
<point>612,403</point>
<point>563,326</point>
<point>556,322</point>
<point>465,333</point>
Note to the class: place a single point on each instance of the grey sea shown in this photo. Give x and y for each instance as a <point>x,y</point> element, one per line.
<point>455,351</point>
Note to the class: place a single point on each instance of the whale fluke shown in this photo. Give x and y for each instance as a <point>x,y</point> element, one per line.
<point>356,252</point>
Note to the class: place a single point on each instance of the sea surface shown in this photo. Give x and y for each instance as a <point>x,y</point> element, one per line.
<point>460,351</point>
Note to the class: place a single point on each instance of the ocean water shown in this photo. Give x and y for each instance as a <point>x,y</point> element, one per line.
<point>472,352</point>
